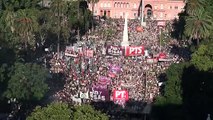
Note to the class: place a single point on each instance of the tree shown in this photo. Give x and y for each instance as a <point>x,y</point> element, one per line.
<point>202,59</point>
<point>61,111</point>
<point>93,2</point>
<point>26,26</point>
<point>193,5</point>
<point>87,112</point>
<point>199,25</point>
<point>169,105</point>
<point>15,5</point>
<point>27,82</point>
<point>54,111</point>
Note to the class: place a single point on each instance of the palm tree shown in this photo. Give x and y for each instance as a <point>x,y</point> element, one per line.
<point>193,5</point>
<point>26,26</point>
<point>199,25</point>
<point>57,13</point>
<point>93,2</point>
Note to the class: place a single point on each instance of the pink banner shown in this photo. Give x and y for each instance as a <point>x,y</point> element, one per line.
<point>88,53</point>
<point>120,95</point>
<point>98,93</point>
<point>114,50</point>
<point>134,50</point>
<point>104,80</point>
<point>111,74</point>
<point>72,51</point>
<point>115,68</point>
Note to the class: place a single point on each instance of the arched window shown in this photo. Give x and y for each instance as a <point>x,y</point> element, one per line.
<point>118,4</point>
<point>127,5</point>
<point>115,5</point>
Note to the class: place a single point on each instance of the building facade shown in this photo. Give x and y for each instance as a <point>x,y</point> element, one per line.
<point>156,9</point>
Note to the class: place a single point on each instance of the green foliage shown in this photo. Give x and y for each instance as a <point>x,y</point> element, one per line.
<point>18,4</point>
<point>173,90</point>
<point>54,111</point>
<point>87,112</point>
<point>26,26</point>
<point>202,59</point>
<point>61,111</point>
<point>169,105</point>
<point>199,25</point>
<point>27,82</point>
<point>193,5</point>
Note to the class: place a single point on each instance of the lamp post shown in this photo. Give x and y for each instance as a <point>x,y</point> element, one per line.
<point>145,82</point>
<point>59,28</point>
<point>160,36</point>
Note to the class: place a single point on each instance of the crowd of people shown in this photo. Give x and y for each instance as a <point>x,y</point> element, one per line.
<point>86,74</point>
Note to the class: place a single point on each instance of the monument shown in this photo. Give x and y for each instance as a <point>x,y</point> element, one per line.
<point>142,14</point>
<point>125,41</point>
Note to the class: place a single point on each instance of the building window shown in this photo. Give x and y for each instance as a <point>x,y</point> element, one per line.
<point>176,7</point>
<point>161,6</point>
<point>170,7</point>
<point>161,14</point>
<point>121,5</point>
<point>95,5</point>
<point>121,15</point>
<point>109,5</point>
<point>134,5</point>
<point>105,5</point>
<point>127,5</point>
<point>116,15</point>
<point>101,4</point>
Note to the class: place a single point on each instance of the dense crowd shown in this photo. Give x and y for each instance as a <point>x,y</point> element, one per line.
<point>137,76</point>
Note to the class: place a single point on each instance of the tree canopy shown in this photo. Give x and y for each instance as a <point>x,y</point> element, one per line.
<point>87,112</point>
<point>54,111</point>
<point>61,111</point>
<point>203,57</point>
<point>27,82</point>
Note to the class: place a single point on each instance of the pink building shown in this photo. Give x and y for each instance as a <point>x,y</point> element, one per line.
<point>156,9</point>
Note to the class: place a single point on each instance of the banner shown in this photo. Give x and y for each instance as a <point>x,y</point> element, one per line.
<point>134,50</point>
<point>73,51</point>
<point>162,55</point>
<point>70,51</point>
<point>115,68</point>
<point>120,95</point>
<point>114,50</point>
<point>164,60</point>
<point>151,60</point>
<point>84,95</point>
<point>88,53</point>
<point>161,23</point>
<point>104,80</point>
<point>127,85</point>
<point>111,74</point>
<point>99,94</point>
